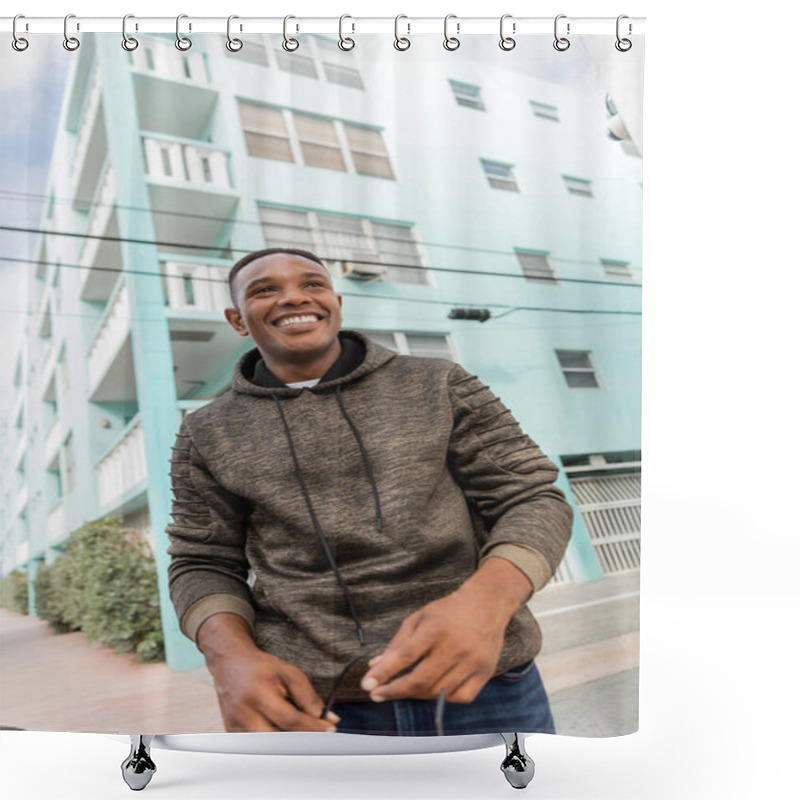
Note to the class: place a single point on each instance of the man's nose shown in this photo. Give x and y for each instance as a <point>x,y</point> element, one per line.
<point>292,296</point>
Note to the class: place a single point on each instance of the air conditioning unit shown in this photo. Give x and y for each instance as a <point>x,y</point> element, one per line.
<point>368,273</point>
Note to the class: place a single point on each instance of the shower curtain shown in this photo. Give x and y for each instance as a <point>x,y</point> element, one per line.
<point>471,204</point>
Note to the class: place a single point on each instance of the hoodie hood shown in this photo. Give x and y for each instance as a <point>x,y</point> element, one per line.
<point>359,357</point>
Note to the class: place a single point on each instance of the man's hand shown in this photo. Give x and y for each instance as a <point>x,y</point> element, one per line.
<point>455,642</point>
<point>257,691</point>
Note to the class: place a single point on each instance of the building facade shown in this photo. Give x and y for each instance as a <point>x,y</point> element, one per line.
<point>510,193</point>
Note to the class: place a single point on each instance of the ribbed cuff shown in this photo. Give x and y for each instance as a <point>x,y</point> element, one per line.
<point>211,604</point>
<point>529,561</point>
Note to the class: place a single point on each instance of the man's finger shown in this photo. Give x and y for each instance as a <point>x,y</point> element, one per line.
<point>302,693</point>
<point>279,711</point>
<point>424,682</point>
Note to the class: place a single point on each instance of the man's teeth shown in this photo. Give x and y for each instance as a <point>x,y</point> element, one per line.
<point>296,320</point>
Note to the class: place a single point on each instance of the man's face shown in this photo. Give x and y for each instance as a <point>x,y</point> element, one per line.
<point>287,304</point>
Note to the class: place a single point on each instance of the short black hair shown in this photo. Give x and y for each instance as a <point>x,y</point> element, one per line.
<point>245,260</point>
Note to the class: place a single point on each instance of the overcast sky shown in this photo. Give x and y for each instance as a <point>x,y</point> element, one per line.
<point>31,88</point>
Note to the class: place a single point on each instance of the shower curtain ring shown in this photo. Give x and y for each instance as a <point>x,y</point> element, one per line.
<point>401,42</point>
<point>182,42</point>
<point>290,45</point>
<point>18,43</point>
<point>345,42</point>
<point>451,42</point>
<point>70,42</point>
<point>233,44</point>
<point>506,42</point>
<point>623,45</point>
<point>561,43</point>
<point>128,42</point>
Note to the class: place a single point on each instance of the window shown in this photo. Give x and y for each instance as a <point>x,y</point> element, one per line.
<point>428,345</point>
<point>501,176</point>
<point>536,265</point>
<point>578,369</point>
<point>265,132</point>
<point>545,111</point>
<point>332,59</point>
<point>578,186</point>
<point>314,141</point>
<point>617,270</point>
<point>295,62</point>
<point>367,248</point>
<point>320,59</point>
<point>368,151</point>
<point>467,95</point>
<point>319,142</point>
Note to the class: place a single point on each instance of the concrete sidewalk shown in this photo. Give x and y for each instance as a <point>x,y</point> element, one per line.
<point>51,682</point>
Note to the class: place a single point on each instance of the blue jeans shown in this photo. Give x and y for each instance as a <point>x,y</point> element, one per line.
<point>514,702</point>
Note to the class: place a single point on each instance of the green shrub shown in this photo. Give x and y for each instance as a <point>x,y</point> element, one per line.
<point>105,584</point>
<point>14,592</point>
<point>48,597</point>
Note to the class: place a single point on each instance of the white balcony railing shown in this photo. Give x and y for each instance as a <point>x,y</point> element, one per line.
<point>186,163</point>
<point>87,120</point>
<point>103,206</point>
<point>111,335</point>
<point>196,287</point>
<point>22,500</point>
<point>19,451</point>
<point>55,524</point>
<point>123,468</point>
<point>52,442</point>
<point>158,58</point>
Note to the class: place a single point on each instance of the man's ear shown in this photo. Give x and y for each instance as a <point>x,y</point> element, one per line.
<point>236,322</point>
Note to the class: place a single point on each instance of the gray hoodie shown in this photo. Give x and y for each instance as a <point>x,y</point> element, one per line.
<point>351,504</point>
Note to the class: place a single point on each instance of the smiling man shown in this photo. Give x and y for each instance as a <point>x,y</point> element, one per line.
<point>356,533</point>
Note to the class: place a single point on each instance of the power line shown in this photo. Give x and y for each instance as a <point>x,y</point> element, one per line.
<point>397,265</point>
<point>210,218</point>
<point>426,301</point>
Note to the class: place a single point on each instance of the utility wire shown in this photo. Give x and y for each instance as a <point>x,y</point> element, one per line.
<point>427,301</point>
<point>453,270</point>
<point>42,198</point>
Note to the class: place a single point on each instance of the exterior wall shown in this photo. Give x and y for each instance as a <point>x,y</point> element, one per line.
<point>122,413</point>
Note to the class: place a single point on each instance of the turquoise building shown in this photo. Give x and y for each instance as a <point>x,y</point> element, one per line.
<point>510,193</point>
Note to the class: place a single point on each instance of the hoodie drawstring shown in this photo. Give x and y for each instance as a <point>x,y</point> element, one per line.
<point>317,527</point>
<point>367,464</point>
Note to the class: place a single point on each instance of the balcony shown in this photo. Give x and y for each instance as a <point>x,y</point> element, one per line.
<point>22,500</point>
<point>124,467</point>
<point>192,286</point>
<point>190,190</point>
<point>53,442</point>
<point>97,284</point>
<point>110,359</point>
<point>19,450</point>
<point>91,146</point>
<point>158,58</point>
<point>173,95</point>
<point>55,525</point>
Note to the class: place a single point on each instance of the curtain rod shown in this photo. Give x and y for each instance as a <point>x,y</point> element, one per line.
<point>462,26</point>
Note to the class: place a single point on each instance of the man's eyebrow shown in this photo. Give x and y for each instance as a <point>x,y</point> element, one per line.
<point>267,279</point>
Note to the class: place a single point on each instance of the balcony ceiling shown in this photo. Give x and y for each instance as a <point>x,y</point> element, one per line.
<point>118,385</point>
<point>173,107</point>
<point>185,213</point>
<point>197,361</point>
